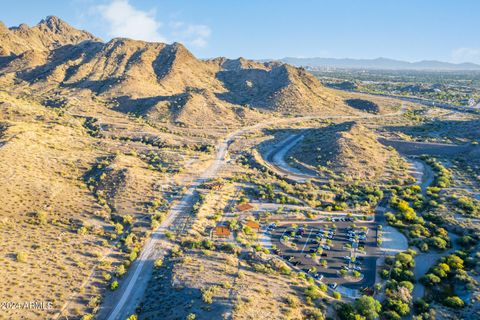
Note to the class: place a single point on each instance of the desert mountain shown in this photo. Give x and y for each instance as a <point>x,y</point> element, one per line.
<point>163,82</point>
<point>48,34</point>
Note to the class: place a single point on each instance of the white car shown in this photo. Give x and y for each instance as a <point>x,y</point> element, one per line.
<point>318,276</point>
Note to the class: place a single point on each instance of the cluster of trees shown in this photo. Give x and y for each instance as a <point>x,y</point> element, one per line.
<point>267,192</point>
<point>365,307</point>
<point>469,206</point>
<point>367,196</point>
<point>400,267</point>
<point>446,275</point>
<point>424,234</point>
<point>399,286</point>
<point>443,176</point>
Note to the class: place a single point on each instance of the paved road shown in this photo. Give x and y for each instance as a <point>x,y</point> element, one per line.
<point>122,303</point>
<point>275,157</point>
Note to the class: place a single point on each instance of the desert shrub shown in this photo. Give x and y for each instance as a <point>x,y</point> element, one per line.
<point>158,263</point>
<point>313,292</point>
<point>120,270</point>
<point>454,302</point>
<point>106,276</point>
<point>292,301</point>
<point>114,285</point>
<point>118,228</point>
<point>21,256</point>
<point>41,217</point>
<point>127,219</point>
<point>314,314</point>
<point>208,293</point>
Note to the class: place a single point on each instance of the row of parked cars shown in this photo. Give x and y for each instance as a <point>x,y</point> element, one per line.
<point>356,236</point>
<point>343,219</point>
<point>353,264</point>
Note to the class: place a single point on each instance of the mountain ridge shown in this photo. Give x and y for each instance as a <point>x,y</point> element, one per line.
<point>55,55</point>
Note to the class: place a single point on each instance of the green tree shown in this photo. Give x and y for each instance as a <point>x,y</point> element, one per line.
<point>455,262</point>
<point>114,285</point>
<point>430,279</point>
<point>454,302</point>
<point>368,307</point>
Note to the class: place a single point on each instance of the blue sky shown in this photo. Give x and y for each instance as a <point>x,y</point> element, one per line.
<point>407,29</point>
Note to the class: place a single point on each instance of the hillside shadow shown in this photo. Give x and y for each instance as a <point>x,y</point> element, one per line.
<point>70,52</point>
<point>253,87</point>
<point>451,129</point>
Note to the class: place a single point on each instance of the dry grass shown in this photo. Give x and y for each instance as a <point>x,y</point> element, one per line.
<point>45,157</point>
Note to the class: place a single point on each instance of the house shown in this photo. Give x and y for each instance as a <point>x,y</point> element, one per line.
<point>221,231</point>
<point>252,225</point>
<point>244,207</point>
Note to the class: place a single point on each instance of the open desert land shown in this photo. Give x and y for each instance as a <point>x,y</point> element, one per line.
<point>140,182</point>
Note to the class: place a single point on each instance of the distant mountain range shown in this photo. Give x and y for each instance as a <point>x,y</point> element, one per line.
<point>379,63</point>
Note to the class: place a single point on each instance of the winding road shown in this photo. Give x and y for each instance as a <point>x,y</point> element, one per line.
<point>275,158</point>
<point>122,303</point>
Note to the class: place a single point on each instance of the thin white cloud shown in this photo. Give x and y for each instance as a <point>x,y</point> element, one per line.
<point>126,21</point>
<point>192,34</point>
<point>466,55</point>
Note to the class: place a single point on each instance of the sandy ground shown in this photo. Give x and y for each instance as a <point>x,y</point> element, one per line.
<point>393,241</point>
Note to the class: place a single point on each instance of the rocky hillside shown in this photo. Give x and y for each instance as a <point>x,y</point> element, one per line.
<point>348,148</point>
<point>49,34</point>
<point>163,82</point>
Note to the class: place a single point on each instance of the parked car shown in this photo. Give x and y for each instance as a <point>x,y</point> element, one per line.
<point>333,285</point>
<point>318,276</point>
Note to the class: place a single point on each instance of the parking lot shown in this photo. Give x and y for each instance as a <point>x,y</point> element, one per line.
<point>324,249</point>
